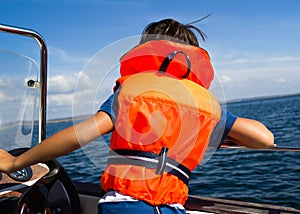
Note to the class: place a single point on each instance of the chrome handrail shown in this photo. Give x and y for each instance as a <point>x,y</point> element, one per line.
<point>43,72</point>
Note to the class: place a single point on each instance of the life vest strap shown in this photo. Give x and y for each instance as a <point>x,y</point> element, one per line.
<point>149,160</point>
<point>169,58</point>
<point>162,161</point>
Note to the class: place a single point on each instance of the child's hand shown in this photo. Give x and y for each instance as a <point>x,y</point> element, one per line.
<point>6,161</point>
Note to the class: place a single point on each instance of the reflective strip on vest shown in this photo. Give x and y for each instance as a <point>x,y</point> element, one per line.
<point>149,160</point>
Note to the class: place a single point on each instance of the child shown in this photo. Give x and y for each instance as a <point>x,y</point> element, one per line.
<point>161,117</point>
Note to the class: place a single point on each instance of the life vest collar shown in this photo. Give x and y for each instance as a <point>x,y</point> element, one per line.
<point>148,57</point>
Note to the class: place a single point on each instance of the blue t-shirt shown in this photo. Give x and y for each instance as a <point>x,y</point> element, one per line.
<point>217,138</point>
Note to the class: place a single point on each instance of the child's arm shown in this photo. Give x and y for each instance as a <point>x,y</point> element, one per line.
<point>251,133</point>
<point>59,144</point>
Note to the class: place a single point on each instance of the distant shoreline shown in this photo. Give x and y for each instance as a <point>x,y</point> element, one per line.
<point>260,98</point>
<point>82,117</point>
<point>67,119</point>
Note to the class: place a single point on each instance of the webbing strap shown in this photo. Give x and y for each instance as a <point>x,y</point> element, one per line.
<point>164,65</point>
<point>150,160</point>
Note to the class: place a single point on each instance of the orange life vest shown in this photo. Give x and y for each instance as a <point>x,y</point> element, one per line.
<point>162,128</point>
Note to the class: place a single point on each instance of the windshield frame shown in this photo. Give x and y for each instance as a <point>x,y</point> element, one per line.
<point>43,72</point>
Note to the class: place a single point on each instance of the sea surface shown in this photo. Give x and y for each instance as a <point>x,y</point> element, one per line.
<point>271,177</point>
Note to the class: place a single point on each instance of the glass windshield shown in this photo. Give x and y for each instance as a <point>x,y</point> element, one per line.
<point>18,93</point>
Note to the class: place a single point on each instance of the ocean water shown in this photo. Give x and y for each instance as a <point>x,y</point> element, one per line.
<point>271,177</point>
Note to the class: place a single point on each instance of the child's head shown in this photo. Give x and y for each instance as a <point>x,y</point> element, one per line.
<point>171,29</point>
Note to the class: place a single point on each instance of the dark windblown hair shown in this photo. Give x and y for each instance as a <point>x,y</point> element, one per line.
<point>171,29</point>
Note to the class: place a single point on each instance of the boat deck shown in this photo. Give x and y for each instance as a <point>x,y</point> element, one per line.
<point>90,194</point>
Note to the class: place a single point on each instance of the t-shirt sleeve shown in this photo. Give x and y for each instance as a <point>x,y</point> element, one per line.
<point>222,129</point>
<point>107,107</point>
<point>230,119</point>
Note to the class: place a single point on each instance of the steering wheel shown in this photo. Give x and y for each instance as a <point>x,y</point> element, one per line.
<point>52,193</point>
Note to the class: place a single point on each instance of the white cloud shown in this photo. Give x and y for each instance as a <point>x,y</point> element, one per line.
<point>235,57</point>
<point>88,81</point>
<point>225,79</point>
<point>236,61</point>
<point>79,93</point>
<point>282,80</point>
<point>245,74</point>
<point>283,59</point>
<point>2,96</point>
<point>61,84</point>
<point>60,100</point>
<point>64,73</point>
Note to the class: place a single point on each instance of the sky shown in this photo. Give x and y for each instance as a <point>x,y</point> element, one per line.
<point>254,45</point>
